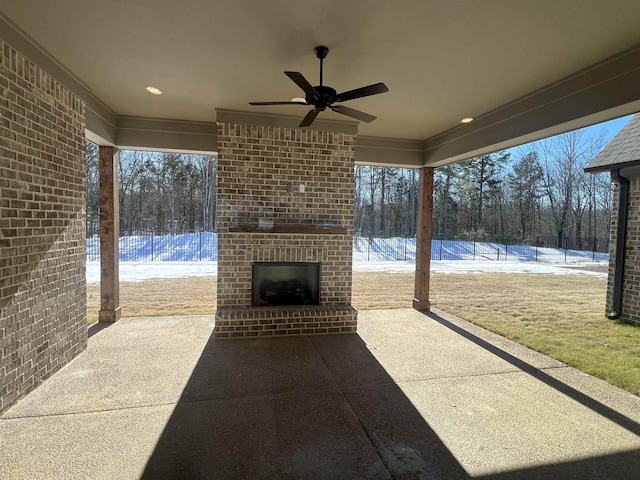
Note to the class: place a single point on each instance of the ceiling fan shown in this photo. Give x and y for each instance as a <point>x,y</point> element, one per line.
<point>323,97</point>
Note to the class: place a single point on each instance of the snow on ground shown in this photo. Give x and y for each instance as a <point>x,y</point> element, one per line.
<point>195,255</point>
<point>203,246</point>
<point>479,266</point>
<point>139,271</point>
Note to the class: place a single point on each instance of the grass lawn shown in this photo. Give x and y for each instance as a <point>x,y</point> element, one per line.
<point>559,315</point>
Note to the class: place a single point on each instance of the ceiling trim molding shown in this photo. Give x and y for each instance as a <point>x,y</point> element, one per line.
<point>138,133</point>
<point>598,93</point>
<point>100,122</point>
<point>164,134</point>
<point>283,121</point>
<point>389,152</point>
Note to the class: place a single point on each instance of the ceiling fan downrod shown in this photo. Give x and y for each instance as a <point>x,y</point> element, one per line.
<point>321,53</point>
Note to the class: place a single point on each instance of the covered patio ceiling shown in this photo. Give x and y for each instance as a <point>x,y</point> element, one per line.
<point>523,70</point>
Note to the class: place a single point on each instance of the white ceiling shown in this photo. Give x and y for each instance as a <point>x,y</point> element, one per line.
<point>441,59</point>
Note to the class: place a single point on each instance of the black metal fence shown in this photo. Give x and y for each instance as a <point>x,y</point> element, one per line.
<point>203,246</point>
<point>185,247</point>
<point>397,248</point>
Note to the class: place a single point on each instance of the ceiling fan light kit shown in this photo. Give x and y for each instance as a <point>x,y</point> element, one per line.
<point>323,97</point>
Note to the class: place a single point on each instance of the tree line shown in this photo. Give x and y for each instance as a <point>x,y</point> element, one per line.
<point>161,193</point>
<point>537,191</point>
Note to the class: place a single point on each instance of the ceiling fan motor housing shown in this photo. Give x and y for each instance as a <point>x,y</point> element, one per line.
<point>328,96</point>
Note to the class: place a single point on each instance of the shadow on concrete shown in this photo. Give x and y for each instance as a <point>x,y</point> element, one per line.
<point>296,408</point>
<point>324,408</point>
<point>96,328</point>
<point>591,403</point>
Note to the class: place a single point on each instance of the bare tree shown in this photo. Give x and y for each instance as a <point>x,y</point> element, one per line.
<point>207,166</point>
<point>131,169</point>
<point>444,203</point>
<point>561,157</point>
<point>566,185</point>
<point>92,188</point>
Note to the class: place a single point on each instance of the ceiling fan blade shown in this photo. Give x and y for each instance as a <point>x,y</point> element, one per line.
<point>302,82</point>
<point>362,92</point>
<point>309,118</point>
<point>350,112</point>
<point>278,103</point>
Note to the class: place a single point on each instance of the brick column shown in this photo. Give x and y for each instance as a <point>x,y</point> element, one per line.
<point>109,236</point>
<point>306,178</point>
<point>423,239</point>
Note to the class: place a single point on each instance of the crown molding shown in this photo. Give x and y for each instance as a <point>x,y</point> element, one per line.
<point>389,152</point>
<point>166,134</point>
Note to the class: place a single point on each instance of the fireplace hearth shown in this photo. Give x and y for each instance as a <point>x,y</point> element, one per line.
<point>285,284</point>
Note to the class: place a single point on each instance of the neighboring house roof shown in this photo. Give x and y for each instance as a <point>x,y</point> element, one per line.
<point>622,151</point>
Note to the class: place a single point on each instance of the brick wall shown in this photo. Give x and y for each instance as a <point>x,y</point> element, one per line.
<point>260,171</point>
<point>631,284</point>
<point>613,236</point>
<point>42,245</point>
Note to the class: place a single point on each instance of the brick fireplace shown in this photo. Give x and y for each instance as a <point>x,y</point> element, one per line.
<point>285,195</point>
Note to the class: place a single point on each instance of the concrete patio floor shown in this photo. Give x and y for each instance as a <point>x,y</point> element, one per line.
<point>411,396</point>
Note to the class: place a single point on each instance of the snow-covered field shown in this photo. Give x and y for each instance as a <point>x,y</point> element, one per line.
<point>195,255</point>
<point>138,271</point>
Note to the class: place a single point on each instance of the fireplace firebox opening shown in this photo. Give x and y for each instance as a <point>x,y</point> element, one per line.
<point>285,283</point>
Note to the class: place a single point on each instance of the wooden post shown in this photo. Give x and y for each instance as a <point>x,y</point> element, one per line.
<point>109,236</point>
<point>423,239</point>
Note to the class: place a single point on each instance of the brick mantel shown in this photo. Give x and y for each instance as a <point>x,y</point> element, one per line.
<point>301,183</point>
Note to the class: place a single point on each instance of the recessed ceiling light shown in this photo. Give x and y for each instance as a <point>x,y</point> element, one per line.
<point>154,90</point>
<point>298,100</point>
<point>466,120</point>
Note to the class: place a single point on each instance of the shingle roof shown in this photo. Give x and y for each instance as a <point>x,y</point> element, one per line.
<point>623,150</point>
